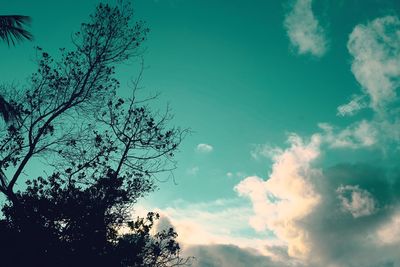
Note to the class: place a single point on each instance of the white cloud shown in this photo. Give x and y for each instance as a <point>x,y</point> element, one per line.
<point>358,135</point>
<point>288,196</point>
<point>237,174</point>
<point>222,242</point>
<point>193,171</point>
<point>304,30</point>
<point>266,151</point>
<point>375,48</point>
<point>356,201</point>
<point>192,222</point>
<point>357,103</point>
<point>204,148</point>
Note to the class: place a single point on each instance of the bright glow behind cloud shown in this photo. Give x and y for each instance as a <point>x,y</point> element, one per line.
<point>287,196</point>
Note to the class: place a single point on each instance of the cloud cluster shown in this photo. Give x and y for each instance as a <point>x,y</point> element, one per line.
<point>375,48</point>
<point>347,214</point>
<point>304,31</point>
<point>306,212</point>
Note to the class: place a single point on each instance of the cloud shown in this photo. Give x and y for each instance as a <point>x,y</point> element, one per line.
<point>288,196</point>
<point>357,103</point>
<point>356,201</point>
<point>389,232</point>
<point>358,135</point>
<point>192,222</point>
<point>264,151</point>
<point>305,213</point>
<point>204,148</point>
<point>193,170</point>
<point>369,194</point>
<point>229,256</point>
<point>348,214</point>
<point>375,48</point>
<point>237,174</point>
<point>339,216</point>
<point>303,29</point>
<point>222,243</point>
<point>211,230</point>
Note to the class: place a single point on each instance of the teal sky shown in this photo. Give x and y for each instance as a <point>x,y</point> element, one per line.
<point>235,74</point>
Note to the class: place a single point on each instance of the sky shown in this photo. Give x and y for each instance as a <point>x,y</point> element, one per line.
<point>293,107</point>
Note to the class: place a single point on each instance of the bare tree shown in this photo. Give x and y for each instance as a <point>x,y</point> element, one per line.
<point>69,99</point>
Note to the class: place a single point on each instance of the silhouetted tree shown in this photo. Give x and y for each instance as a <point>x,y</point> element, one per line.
<point>103,151</point>
<point>65,224</point>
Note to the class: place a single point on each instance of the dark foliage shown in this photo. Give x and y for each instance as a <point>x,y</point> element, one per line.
<point>63,224</point>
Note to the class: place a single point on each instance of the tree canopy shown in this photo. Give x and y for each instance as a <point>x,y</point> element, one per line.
<point>103,153</point>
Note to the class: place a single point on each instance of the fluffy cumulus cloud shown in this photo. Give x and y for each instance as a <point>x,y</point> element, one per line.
<point>375,48</point>
<point>204,148</point>
<point>345,215</point>
<point>217,234</point>
<point>304,31</point>
<point>282,201</point>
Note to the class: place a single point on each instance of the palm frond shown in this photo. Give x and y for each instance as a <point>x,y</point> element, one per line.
<point>7,111</point>
<point>12,28</point>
